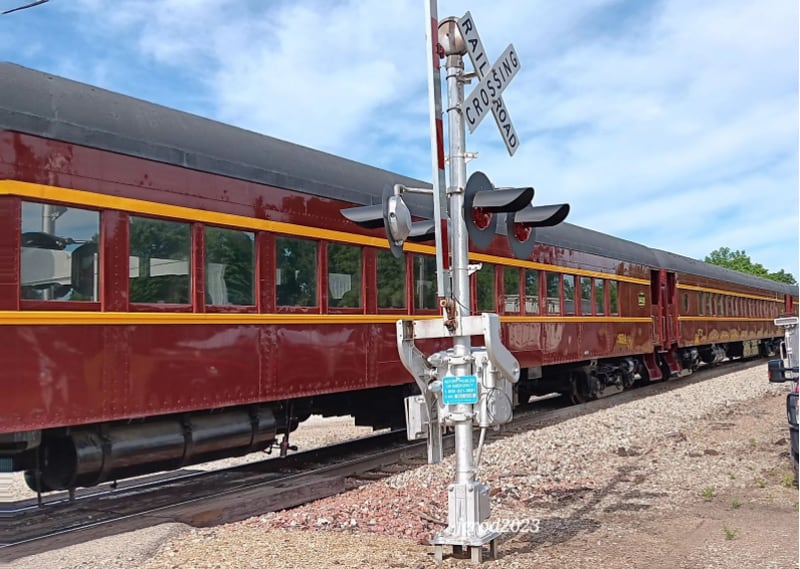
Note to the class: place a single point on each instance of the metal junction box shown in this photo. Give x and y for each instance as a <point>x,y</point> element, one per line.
<point>416,418</point>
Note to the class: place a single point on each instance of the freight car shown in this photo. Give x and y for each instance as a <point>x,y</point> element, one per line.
<point>174,290</point>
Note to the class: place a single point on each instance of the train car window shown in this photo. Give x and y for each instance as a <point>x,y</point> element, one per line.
<point>720,306</point>
<point>230,266</point>
<point>160,265</point>
<point>344,276</point>
<point>531,291</point>
<point>511,290</point>
<point>553,283</point>
<point>599,297</point>
<point>685,302</point>
<point>613,299</point>
<point>391,280</point>
<point>59,254</point>
<point>569,294</point>
<point>485,289</point>
<point>709,304</point>
<point>586,295</point>
<point>701,303</point>
<point>424,282</point>
<point>295,271</point>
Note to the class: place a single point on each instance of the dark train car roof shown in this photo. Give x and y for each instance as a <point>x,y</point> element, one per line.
<point>45,105</point>
<point>679,263</point>
<point>53,107</point>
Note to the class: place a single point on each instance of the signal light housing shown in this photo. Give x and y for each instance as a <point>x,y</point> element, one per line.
<point>482,201</point>
<point>394,216</point>
<point>521,226</point>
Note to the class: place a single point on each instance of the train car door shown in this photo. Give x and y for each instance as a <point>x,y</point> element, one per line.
<point>663,297</point>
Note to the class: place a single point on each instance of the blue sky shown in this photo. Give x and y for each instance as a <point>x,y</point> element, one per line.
<point>671,123</point>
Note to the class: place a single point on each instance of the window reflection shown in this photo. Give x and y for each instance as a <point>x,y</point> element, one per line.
<point>230,266</point>
<point>160,267</point>
<point>391,280</point>
<point>59,255</point>
<point>344,276</point>
<point>296,273</point>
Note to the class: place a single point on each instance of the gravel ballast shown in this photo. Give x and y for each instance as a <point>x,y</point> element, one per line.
<point>695,477</point>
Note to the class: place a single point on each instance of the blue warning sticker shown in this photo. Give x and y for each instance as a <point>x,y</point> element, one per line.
<point>460,390</point>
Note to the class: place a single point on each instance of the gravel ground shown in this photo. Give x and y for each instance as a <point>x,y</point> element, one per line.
<point>697,477</point>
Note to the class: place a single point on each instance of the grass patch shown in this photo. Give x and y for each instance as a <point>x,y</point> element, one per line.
<point>730,533</point>
<point>736,504</point>
<point>788,480</point>
<point>708,493</point>
<point>761,483</point>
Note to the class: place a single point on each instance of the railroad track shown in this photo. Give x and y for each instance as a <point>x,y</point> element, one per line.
<point>203,499</point>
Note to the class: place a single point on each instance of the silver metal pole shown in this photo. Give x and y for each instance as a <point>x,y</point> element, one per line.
<point>49,215</point>
<point>48,219</point>
<point>437,148</point>
<point>465,471</point>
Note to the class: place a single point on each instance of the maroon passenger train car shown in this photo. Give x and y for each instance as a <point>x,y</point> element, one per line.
<point>174,290</point>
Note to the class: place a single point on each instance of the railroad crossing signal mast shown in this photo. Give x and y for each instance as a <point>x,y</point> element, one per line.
<point>464,386</point>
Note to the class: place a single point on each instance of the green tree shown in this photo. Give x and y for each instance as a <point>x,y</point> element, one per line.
<point>783,277</point>
<point>740,261</point>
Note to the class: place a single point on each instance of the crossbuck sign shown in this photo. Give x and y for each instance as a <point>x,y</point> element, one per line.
<point>494,80</point>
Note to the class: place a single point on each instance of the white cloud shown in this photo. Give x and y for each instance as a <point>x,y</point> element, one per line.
<point>670,123</point>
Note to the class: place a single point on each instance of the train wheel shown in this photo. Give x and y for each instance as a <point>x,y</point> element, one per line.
<point>578,398</point>
<point>579,389</point>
